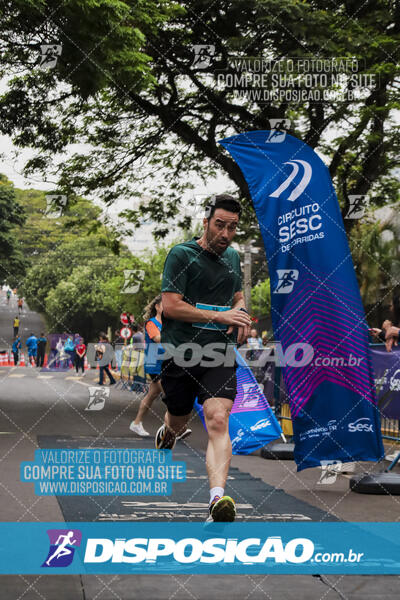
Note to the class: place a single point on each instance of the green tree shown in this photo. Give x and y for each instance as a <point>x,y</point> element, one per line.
<point>13,263</point>
<point>376,255</point>
<point>43,230</point>
<point>56,266</point>
<point>81,286</point>
<point>76,306</point>
<point>261,298</point>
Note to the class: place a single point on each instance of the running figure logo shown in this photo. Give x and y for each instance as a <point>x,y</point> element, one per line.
<point>330,469</point>
<point>49,55</point>
<point>62,547</point>
<point>97,398</point>
<point>133,279</point>
<point>286,280</point>
<point>55,205</point>
<point>203,54</point>
<point>356,207</point>
<point>278,131</point>
<point>251,395</point>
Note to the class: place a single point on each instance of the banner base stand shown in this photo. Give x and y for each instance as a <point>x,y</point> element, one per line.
<point>278,451</point>
<point>376,483</point>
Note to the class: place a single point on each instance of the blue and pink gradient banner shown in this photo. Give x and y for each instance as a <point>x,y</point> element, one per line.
<point>316,306</point>
<point>252,424</point>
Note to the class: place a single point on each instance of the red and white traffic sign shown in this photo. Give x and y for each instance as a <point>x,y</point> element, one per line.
<point>124,318</point>
<point>125,332</point>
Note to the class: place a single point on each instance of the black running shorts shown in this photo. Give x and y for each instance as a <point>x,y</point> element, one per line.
<point>182,385</point>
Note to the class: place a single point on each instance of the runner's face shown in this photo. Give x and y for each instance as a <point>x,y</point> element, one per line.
<point>221,229</point>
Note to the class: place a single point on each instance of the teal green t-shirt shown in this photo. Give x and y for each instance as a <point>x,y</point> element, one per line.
<point>206,280</point>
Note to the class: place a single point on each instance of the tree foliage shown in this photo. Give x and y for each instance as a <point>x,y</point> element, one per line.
<point>376,255</point>
<point>126,86</point>
<point>44,230</point>
<point>261,298</point>
<point>81,286</point>
<point>13,263</point>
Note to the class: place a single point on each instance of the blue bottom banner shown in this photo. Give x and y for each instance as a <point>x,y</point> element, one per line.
<point>195,548</point>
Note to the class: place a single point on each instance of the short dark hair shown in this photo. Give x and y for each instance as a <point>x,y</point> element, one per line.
<point>225,201</point>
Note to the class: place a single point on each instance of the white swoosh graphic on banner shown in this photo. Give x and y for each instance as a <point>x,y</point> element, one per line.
<point>299,189</point>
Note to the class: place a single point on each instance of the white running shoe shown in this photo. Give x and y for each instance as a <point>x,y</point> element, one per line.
<point>138,429</point>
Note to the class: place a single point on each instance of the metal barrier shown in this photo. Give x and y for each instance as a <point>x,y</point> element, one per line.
<point>390,429</point>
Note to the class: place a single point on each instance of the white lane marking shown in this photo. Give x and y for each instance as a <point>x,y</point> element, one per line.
<point>81,382</point>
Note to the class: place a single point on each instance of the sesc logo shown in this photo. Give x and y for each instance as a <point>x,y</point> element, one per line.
<point>395,382</point>
<point>362,425</point>
<point>261,424</point>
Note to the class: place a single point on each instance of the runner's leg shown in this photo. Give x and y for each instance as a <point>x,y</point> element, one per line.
<point>219,449</point>
<point>176,423</point>
<point>155,390</point>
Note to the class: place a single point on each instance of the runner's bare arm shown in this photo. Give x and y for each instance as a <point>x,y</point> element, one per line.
<point>174,307</point>
<point>244,331</point>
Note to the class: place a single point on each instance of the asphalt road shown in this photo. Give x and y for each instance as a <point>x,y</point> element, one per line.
<point>34,404</point>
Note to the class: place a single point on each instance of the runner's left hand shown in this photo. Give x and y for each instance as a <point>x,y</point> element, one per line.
<point>242,335</point>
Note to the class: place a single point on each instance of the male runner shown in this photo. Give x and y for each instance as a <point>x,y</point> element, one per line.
<point>202,304</point>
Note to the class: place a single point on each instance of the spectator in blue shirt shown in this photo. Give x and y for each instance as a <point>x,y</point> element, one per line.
<point>16,347</point>
<point>31,344</point>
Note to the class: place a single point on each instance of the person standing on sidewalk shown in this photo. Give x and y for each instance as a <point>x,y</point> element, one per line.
<point>16,347</point>
<point>41,350</point>
<point>80,351</point>
<point>100,349</point>
<point>69,349</point>
<point>16,326</point>
<point>31,344</point>
<point>203,304</point>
